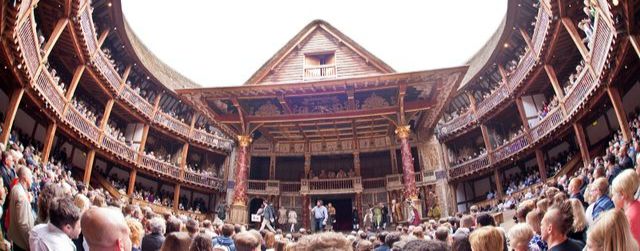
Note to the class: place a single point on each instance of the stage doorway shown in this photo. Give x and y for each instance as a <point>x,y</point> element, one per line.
<point>344,206</point>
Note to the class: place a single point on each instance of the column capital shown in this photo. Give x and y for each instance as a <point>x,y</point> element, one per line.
<point>244,140</point>
<point>403,131</point>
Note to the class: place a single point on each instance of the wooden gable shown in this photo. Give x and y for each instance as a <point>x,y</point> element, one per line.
<point>288,64</point>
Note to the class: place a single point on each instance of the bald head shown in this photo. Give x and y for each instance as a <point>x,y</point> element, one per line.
<point>105,229</point>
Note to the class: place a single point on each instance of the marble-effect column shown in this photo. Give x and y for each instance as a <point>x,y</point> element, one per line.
<point>239,205</point>
<point>408,173</point>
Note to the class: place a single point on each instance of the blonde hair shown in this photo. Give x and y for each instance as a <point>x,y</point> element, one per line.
<point>486,238</point>
<point>626,183</point>
<point>534,218</point>
<point>520,233</point>
<point>611,232</point>
<point>579,217</point>
<point>602,185</point>
<point>137,231</point>
<point>324,241</point>
<point>543,205</point>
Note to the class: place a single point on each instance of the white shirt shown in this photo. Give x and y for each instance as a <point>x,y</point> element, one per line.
<point>45,237</point>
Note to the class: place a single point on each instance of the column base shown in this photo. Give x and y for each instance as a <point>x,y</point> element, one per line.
<point>238,214</point>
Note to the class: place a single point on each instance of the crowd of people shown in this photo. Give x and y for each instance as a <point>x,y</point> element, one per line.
<point>465,154</point>
<point>506,137</point>
<point>587,23</point>
<point>324,174</point>
<point>87,110</point>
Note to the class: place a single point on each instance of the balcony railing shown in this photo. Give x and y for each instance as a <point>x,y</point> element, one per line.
<point>203,180</point>
<point>374,183</point>
<point>160,166</point>
<point>470,166</point>
<point>319,71</point>
<point>172,124</point>
<point>457,123</point>
<point>51,94</point>
<point>209,139</point>
<point>119,149</point>
<point>511,148</point>
<point>492,101</point>
<point>554,118</point>
<point>30,48</point>
<point>332,186</point>
<point>137,102</point>
<point>88,33</point>
<point>289,187</point>
<point>263,187</point>
<point>601,44</point>
<point>107,70</point>
<point>81,124</point>
<point>521,71</point>
<point>543,20</point>
<point>584,84</point>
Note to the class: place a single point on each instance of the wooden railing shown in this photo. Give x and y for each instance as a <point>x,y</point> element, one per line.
<point>457,122</point>
<point>374,183</point>
<point>263,187</point>
<point>137,102</point>
<point>172,123</point>
<point>160,166</point>
<point>118,148</point>
<point>601,44</point>
<point>293,187</point>
<point>543,20</point>
<point>521,71</point>
<point>584,84</point>
<point>470,166</point>
<point>107,70</point>
<point>319,71</point>
<point>331,186</point>
<point>209,139</point>
<point>507,150</point>
<point>492,101</point>
<point>87,29</point>
<point>554,118</point>
<point>203,180</point>
<point>51,94</point>
<point>81,124</point>
<point>30,48</point>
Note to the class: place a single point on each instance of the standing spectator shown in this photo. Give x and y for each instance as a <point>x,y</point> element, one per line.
<point>153,241</point>
<point>600,191</point>
<point>21,218</point>
<point>486,238</point>
<point>579,228</point>
<point>63,226</point>
<point>225,238</point>
<point>520,236</point>
<point>623,189</point>
<point>556,223</point>
<point>105,229</point>
<point>613,169</point>
<point>611,233</point>
<point>136,233</point>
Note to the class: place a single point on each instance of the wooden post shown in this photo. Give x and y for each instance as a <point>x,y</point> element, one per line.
<point>88,166</point>
<point>356,163</point>
<point>272,167</point>
<point>48,142</point>
<point>176,196</point>
<point>143,141</point>
<point>575,36</point>
<point>496,177</point>
<point>183,159</point>
<point>132,181</point>
<point>472,101</point>
<point>445,155</point>
<point>55,35</point>
<point>10,115</point>
<point>616,101</point>
<point>542,168</point>
<point>307,165</point>
<point>394,159</point>
<point>77,74</point>
<point>522,113</point>
<point>107,113</point>
<point>553,78</point>
<point>582,143</point>
<point>487,142</point>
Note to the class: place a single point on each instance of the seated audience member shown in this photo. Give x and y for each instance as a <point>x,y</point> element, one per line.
<point>623,190</point>
<point>611,232</point>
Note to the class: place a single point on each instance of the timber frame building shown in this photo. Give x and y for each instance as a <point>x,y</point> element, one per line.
<point>541,89</point>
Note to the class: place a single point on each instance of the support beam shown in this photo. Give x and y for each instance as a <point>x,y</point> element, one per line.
<point>10,114</point>
<point>408,172</point>
<point>77,74</point>
<point>526,38</point>
<point>394,160</point>
<point>356,163</point>
<point>48,142</point>
<point>575,36</point>
<point>635,43</point>
<point>553,78</point>
<point>542,168</point>
<point>487,142</point>
<point>496,177</point>
<point>522,114</point>
<point>472,101</point>
<point>582,143</point>
<point>88,166</point>
<point>107,113</point>
<point>176,196</point>
<point>132,181</point>
<point>272,167</point>
<point>307,165</point>
<point>240,200</point>
<point>55,35</point>
<point>143,141</point>
<point>621,115</point>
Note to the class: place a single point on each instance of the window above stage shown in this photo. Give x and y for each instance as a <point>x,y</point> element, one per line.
<point>319,65</point>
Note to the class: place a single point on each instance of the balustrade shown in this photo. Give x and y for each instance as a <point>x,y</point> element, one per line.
<point>554,118</point>
<point>331,186</point>
<point>107,70</point>
<point>543,21</point>
<point>584,84</point>
<point>521,71</point>
<point>52,95</point>
<point>30,48</point>
<point>515,145</point>
<point>88,32</point>
<point>601,43</point>
<point>137,102</point>
<point>470,166</point>
<point>119,148</point>
<point>493,100</point>
<point>374,183</point>
<point>209,139</point>
<point>319,71</point>
<point>160,166</point>
<point>457,122</point>
<point>203,180</point>
<point>86,128</point>
<point>172,123</point>
<point>290,187</point>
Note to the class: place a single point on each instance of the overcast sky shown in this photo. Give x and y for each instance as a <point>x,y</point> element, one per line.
<point>222,43</point>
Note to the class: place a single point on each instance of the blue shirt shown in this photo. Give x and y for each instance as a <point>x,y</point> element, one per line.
<point>602,204</point>
<point>319,212</point>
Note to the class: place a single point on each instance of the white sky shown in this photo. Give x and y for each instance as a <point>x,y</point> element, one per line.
<point>222,43</point>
